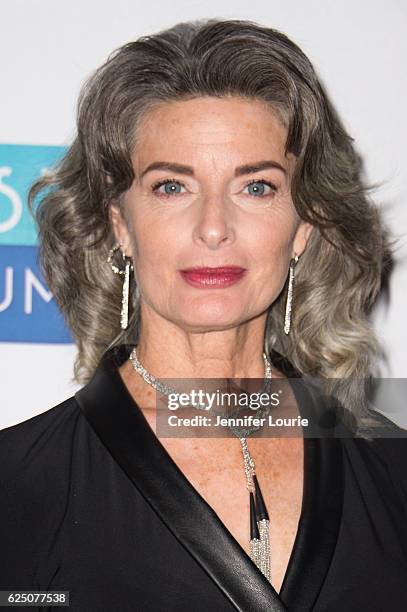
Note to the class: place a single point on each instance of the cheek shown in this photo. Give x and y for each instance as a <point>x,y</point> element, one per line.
<point>154,246</point>
<point>271,248</point>
<point>271,243</point>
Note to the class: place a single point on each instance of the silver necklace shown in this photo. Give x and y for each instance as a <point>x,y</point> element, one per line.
<point>259,517</point>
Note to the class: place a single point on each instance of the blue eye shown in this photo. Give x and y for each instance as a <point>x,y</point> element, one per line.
<point>171,187</point>
<point>257,188</point>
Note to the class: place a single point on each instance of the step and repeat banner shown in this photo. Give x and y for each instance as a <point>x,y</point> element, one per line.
<point>28,310</point>
<point>36,348</point>
<point>49,48</point>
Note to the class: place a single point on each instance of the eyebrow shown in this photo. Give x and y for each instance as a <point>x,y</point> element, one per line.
<point>239,170</point>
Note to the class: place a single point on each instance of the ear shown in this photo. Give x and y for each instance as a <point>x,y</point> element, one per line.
<point>119,226</point>
<point>301,237</point>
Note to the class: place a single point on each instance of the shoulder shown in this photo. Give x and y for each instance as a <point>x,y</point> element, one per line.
<point>35,454</point>
<point>40,421</point>
<point>392,451</point>
<point>384,453</point>
<point>39,435</point>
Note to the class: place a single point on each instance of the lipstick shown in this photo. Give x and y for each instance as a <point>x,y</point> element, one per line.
<point>213,278</point>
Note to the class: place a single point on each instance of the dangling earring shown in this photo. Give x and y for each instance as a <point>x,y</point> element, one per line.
<point>128,267</point>
<point>287,319</point>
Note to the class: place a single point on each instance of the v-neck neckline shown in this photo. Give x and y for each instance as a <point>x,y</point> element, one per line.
<point>124,430</point>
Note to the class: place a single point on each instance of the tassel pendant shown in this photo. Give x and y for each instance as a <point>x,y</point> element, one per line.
<point>259,518</point>
<point>255,542</point>
<point>263,524</point>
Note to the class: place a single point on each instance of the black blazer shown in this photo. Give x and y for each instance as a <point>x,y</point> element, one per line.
<point>92,503</point>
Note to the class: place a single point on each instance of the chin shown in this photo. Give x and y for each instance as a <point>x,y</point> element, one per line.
<point>205,318</point>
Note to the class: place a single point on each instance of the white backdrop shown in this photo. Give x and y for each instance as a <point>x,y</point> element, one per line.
<point>49,47</point>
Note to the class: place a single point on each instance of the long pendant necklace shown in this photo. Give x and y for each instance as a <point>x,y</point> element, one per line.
<point>259,518</point>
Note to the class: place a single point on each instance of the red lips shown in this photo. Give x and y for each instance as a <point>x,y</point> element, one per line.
<point>206,277</point>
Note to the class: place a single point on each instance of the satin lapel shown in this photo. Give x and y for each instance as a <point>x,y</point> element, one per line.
<point>321,514</point>
<point>123,429</point>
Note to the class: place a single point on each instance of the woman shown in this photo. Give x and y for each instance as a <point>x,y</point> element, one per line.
<point>209,171</point>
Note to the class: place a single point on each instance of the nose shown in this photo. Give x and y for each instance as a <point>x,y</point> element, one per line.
<point>214,225</point>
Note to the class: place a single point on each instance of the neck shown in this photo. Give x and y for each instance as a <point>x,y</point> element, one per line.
<point>168,351</point>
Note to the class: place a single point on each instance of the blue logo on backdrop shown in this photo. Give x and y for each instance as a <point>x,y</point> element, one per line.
<point>20,165</point>
<point>28,312</point>
<point>27,309</point>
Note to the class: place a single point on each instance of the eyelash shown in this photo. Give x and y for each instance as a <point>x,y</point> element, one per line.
<point>159,184</point>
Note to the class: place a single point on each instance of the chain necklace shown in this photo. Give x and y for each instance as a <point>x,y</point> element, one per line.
<point>259,518</point>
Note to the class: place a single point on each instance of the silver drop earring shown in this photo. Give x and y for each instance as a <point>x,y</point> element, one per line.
<point>128,267</point>
<point>287,319</point>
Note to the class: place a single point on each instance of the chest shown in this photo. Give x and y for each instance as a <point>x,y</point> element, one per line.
<point>222,484</point>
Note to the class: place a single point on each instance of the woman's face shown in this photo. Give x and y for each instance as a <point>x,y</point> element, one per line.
<point>211,189</point>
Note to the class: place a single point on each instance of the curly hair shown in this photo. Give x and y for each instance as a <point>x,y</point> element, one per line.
<point>339,275</point>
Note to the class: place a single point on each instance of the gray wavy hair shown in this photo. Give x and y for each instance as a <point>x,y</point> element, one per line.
<point>339,275</point>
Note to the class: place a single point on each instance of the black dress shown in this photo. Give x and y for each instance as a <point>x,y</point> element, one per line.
<point>91,503</point>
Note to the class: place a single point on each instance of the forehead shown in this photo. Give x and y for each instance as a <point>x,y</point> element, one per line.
<point>199,126</point>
